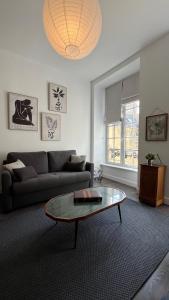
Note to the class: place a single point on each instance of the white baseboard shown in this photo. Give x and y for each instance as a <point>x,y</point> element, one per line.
<point>121,180</point>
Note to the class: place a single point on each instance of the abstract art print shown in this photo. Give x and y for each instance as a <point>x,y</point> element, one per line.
<point>51,127</point>
<point>57,98</point>
<point>23,112</point>
<point>156,127</point>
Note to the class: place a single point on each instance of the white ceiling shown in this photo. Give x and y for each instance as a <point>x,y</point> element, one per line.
<point>128,26</point>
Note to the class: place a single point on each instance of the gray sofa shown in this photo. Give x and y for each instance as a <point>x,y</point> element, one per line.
<point>51,181</point>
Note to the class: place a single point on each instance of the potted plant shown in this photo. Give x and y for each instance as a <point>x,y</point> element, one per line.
<point>150,157</point>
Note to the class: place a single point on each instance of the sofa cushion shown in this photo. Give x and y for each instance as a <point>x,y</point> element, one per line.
<point>74,166</point>
<point>78,158</point>
<point>25,173</point>
<point>14,165</point>
<point>57,159</point>
<point>37,159</point>
<point>50,180</point>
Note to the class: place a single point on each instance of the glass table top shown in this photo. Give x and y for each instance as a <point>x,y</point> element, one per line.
<point>63,207</point>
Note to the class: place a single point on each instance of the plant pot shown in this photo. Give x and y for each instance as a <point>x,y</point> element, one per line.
<point>150,162</point>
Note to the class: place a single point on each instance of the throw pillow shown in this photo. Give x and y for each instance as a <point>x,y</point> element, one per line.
<point>74,166</point>
<point>14,165</point>
<point>25,173</point>
<point>78,158</point>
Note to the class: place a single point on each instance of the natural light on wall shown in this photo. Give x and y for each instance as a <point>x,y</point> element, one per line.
<point>73,27</point>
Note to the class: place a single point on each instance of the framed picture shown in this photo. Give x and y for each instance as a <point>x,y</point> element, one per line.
<point>51,127</point>
<point>57,98</point>
<point>23,112</point>
<point>156,127</point>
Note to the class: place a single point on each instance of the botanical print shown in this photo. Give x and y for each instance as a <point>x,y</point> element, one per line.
<point>51,124</point>
<point>156,127</point>
<point>23,112</point>
<point>57,98</point>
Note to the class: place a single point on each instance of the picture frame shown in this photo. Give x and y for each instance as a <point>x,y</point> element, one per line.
<point>51,127</point>
<point>157,127</point>
<point>22,112</point>
<point>57,97</point>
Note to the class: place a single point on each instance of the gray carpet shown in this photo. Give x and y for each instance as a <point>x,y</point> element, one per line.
<point>112,260</point>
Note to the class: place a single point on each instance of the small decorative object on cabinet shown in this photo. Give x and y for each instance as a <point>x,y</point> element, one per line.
<point>152,184</point>
<point>150,157</point>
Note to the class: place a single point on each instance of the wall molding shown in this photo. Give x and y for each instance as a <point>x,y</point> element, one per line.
<point>121,180</point>
<point>116,68</point>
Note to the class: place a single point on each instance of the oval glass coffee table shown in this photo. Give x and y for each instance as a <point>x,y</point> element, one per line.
<point>64,209</point>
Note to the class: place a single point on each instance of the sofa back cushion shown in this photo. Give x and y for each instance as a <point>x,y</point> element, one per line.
<point>26,173</point>
<point>38,160</point>
<point>57,159</point>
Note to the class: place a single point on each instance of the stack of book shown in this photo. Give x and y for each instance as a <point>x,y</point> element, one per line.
<point>87,196</point>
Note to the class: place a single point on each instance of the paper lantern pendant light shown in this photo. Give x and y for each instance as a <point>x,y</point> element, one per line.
<point>73,27</point>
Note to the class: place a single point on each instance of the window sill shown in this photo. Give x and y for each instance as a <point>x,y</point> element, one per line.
<point>120,167</point>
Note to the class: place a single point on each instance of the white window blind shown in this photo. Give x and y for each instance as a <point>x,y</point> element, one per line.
<point>113,103</point>
<point>120,93</point>
<point>130,87</point>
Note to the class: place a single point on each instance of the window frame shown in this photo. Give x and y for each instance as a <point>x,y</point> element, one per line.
<point>122,150</point>
<point>107,161</point>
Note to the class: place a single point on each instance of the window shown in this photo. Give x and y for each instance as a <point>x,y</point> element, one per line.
<point>122,137</point>
<point>114,142</point>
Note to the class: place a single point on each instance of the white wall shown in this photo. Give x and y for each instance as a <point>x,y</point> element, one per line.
<point>27,77</point>
<point>154,99</point>
<point>154,94</point>
<point>99,126</point>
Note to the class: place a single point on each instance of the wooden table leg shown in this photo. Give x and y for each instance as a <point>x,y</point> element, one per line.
<point>76,230</point>
<point>119,213</point>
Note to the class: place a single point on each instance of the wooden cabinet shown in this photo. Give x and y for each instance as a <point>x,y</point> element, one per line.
<point>152,184</point>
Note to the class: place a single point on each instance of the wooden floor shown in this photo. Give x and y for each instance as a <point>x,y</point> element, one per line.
<point>157,286</point>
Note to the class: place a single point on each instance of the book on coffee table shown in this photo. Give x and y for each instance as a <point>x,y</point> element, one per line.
<point>87,196</point>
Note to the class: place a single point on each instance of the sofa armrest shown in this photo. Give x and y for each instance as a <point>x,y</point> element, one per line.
<point>90,167</point>
<point>6,191</point>
<point>6,181</point>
